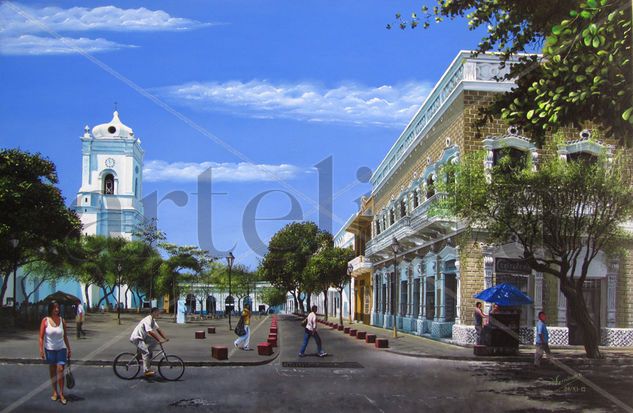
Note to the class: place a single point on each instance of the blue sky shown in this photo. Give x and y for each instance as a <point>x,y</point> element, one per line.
<point>262,91</point>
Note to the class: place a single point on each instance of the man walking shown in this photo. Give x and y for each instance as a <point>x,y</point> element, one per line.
<point>79,320</point>
<point>311,331</point>
<point>542,339</point>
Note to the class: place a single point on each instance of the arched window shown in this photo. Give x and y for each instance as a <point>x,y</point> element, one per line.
<point>509,159</point>
<point>416,201</point>
<point>392,217</point>
<point>582,157</point>
<point>403,208</point>
<point>108,184</point>
<point>430,187</point>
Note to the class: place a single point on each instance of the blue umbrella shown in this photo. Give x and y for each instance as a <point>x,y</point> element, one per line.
<point>506,295</point>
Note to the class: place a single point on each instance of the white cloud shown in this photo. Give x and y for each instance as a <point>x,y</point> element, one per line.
<point>157,171</point>
<point>349,103</point>
<point>78,19</point>
<point>33,31</point>
<point>36,45</point>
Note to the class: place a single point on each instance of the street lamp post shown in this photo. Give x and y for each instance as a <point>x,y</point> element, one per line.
<point>14,243</point>
<point>118,301</point>
<point>229,261</point>
<point>350,268</point>
<point>395,246</point>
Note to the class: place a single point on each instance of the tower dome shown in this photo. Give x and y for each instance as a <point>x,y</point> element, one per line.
<point>113,129</point>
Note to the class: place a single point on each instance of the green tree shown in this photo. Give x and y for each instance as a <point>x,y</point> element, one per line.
<point>273,296</point>
<point>33,211</point>
<point>328,267</point>
<point>149,233</point>
<point>585,71</point>
<point>289,251</point>
<point>184,262</point>
<point>562,215</point>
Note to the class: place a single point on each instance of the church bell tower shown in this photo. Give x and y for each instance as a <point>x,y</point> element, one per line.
<point>109,200</point>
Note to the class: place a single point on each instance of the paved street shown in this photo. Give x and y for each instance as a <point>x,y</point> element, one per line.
<point>359,378</point>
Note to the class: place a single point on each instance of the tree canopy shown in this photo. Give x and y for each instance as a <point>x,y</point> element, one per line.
<point>289,251</point>
<point>583,74</point>
<point>33,210</point>
<point>562,214</point>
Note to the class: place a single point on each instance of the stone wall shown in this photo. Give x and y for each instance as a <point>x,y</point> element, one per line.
<point>624,290</point>
<point>471,278</point>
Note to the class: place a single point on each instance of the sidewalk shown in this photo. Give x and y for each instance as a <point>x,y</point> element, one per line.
<point>425,347</point>
<point>106,338</point>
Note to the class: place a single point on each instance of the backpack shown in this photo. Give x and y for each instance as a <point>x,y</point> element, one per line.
<point>239,328</point>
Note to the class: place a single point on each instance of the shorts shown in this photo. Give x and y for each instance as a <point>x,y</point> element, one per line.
<point>56,357</point>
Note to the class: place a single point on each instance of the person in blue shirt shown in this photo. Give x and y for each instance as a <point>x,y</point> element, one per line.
<point>542,339</point>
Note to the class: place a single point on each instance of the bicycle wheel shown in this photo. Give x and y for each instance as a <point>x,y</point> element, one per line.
<point>171,368</point>
<point>126,366</point>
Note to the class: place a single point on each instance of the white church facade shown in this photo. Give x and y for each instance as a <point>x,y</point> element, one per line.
<point>109,201</point>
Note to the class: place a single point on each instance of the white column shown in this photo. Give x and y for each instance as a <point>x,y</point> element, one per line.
<point>458,288</point>
<point>409,290</point>
<point>437,291</point>
<point>562,307</point>
<point>421,292</point>
<point>489,262</point>
<point>423,298</point>
<point>612,282</point>
<point>538,293</point>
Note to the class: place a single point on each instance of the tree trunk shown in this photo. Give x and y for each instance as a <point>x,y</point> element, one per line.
<point>309,300</point>
<point>127,290</point>
<point>3,290</point>
<point>591,338</point>
<point>340,294</point>
<point>301,306</point>
<point>325,304</point>
<point>87,297</point>
<point>294,296</point>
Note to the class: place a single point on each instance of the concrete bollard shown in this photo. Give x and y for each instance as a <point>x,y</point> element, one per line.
<point>346,330</point>
<point>370,338</point>
<point>264,349</point>
<point>361,335</point>
<point>200,334</point>
<point>352,332</point>
<point>220,352</point>
<point>211,330</point>
<point>382,343</point>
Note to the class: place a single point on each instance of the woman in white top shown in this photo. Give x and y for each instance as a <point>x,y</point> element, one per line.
<point>55,349</point>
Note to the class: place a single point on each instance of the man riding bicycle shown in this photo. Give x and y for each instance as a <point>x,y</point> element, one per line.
<point>146,336</point>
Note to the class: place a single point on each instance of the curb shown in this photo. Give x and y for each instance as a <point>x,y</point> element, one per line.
<point>104,363</point>
<point>518,359</point>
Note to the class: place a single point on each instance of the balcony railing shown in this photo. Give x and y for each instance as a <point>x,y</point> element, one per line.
<point>405,226</point>
<point>360,263</point>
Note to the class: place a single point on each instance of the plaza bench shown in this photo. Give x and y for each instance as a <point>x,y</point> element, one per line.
<point>273,330</point>
<point>361,335</point>
<point>341,328</point>
<point>200,334</point>
<point>370,338</point>
<point>211,330</point>
<point>346,330</point>
<point>272,340</point>
<point>352,332</point>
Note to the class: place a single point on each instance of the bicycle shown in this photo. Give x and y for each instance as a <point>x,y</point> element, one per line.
<point>127,365</point>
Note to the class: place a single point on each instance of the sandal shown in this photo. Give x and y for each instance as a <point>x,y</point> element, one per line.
<point>63,400</point>
<point>54,397</point>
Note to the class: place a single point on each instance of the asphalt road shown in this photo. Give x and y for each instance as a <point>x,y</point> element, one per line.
<point>371,381</point>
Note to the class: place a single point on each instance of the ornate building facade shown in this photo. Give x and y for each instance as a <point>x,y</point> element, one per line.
<point>430,288</point>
